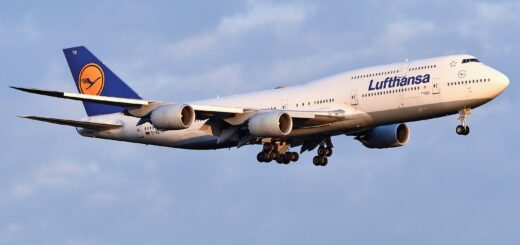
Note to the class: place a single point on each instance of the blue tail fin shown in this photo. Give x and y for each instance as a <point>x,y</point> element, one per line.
<point>94,78</point>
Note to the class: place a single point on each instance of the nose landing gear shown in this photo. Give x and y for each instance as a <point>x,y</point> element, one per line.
<point>463,128</point>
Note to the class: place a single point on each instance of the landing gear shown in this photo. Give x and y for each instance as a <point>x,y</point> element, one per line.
<point>272,152</point>
<point>320,161</point>
<point>279,152</point>
<point>463,128</point>
<point>324,151</point>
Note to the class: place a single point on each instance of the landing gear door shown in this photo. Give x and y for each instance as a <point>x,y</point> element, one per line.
<point>354,100</point>
<point>436,89</point>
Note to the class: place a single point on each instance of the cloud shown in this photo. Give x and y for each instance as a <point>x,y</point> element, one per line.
<point>63,175</point>
<point>156,199</point>
<point>498,13</point>
<point>257,15</point>
<point>222,79</point>
<point>100,198</point>
<point>9,232</point>
<point>484,19</point>
<point>407,31</point>
<point>261,14</point>
<point>297,69</point>
<point>21,30</point>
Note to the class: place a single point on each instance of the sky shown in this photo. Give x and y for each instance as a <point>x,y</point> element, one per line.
<point>59,188</point>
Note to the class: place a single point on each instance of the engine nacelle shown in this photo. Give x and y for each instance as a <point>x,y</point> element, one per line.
<point>270,124</point>
<point>172,117</point>
<point>386,136</point>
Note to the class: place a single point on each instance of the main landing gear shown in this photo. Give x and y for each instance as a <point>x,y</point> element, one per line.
<point>463,128</point>
<point>322,158</point>
<point>279,152</point>
<point>274,152</point>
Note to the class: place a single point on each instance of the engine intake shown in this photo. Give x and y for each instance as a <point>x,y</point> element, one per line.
<point>271,124</point>
<point>387,136</point>
<point>173,117</point>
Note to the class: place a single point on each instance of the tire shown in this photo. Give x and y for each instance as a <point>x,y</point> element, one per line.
<point>466,132</point>
<point>279,159</point>
<point>325,161</point>
<point>316,161</point>
<point>267,157</point>
<point>321,151</point>
<point>294,156</point>
<point>460,130</point>
<point>328,152</point>
<point>273,155</point>
<point>267,147</point>
<point>260,157</point>
<point>286,158</point>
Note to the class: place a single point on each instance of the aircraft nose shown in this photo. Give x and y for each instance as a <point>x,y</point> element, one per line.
<point>503,81</point>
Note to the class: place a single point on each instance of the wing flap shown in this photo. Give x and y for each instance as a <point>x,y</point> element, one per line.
<point>75,123</point>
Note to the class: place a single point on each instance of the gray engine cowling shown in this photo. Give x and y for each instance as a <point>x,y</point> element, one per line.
<point>387,136</point>
<point>270,124</point>
<point>172,117</point>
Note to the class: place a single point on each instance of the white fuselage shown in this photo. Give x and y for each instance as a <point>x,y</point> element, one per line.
<point>370,97</point>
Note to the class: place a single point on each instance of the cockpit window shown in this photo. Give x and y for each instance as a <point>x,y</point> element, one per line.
<point>470,60</point>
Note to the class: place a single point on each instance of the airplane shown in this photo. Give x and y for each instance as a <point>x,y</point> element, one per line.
<point>370,104</point>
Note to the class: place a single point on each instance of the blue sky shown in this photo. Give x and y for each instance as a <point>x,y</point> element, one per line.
<point>59,188</point>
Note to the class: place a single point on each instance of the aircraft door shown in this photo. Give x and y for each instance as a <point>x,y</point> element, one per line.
<point>354,100</point>
<point>436,89</point>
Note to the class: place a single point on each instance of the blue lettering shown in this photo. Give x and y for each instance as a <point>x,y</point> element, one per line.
<point>404,81</point>
<point>426,78</point>
<point>391,82</point>
<point>370,86</point>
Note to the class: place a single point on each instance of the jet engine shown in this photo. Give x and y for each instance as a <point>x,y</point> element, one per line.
<point>172,117</point>
<point>387,136</point>
<point>270,124</point>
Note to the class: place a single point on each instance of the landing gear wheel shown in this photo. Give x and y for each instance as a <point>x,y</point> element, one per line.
<point>320,161</point>
<point>294,156</point>
<point>279,159</point>
<point>316,161</point>
<point>286,158</point>
<point>260,157</point>
<point>324,161</point>
<point>461,130</point>
<point>273,155</point>
<point>328,152</point>
<point>322,151</point>
<point>269,147</point>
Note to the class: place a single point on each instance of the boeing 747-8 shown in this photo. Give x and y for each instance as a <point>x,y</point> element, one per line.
<point>370,104</point>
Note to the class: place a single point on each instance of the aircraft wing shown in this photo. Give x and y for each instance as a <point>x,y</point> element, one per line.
<point>85,97</point>
<point>135,107</point>
<point>75,123</point>
<point>236,115</point>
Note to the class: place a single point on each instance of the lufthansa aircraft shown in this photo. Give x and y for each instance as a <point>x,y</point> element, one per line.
<point>371,104</point>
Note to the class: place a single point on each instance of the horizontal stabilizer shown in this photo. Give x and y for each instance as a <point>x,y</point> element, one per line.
<point>75,123</point>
